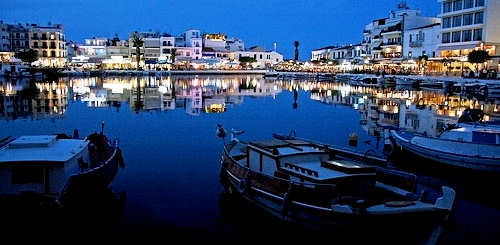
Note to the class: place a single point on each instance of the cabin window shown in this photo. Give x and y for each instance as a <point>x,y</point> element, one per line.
<point>25,175</point>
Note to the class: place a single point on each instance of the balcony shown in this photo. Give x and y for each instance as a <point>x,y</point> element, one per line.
<point>386,44</point>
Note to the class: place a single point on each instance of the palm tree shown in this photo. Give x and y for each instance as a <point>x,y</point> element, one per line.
<point>174,50</point>
<point>137,42</point>
<point>296,44</point>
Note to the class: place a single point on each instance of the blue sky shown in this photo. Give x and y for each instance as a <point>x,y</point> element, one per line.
<point>314,23</point>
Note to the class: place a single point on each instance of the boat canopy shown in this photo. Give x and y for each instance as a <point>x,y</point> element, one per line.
<point>44,148</point>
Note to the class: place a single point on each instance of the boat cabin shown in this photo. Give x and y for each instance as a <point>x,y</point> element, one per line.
<point>478,135</point>
<point>304,162</point>
<point>40,164</point>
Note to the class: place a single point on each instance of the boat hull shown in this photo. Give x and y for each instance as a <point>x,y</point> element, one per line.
<point>485,164</point>
<point>95,179</point>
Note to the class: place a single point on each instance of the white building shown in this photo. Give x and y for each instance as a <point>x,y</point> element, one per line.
<point>191,51</point>
<point>324,53</point>
<point>167,43</point>
<point>469,25</point>
<point>214,41</point>
<point>424,40</point>
<point>383,37</point>
<point>93,47</point>
<point>265,59</point>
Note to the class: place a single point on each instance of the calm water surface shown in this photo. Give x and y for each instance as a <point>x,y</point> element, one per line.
<point>166,127</point>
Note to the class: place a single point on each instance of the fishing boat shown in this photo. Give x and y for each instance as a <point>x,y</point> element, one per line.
<point>467,145</point>
<point>57,166</point>
<point>304,182</point>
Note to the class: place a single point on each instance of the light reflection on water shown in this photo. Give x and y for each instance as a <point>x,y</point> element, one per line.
<point>166,126</point>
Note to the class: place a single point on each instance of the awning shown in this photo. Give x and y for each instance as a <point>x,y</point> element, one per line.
<point>458,47</point>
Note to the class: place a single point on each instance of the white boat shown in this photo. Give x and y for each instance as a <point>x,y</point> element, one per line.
<point>472,146</point>
<point>55,166</point>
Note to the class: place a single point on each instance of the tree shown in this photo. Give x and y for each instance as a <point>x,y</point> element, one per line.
<point>174,51</point>
<point>477,57</point>
<point>296,44</point>
<point>137,42</point>
<point>447,63</point>
<point>246,59</point>
<point>28,56</point>
<point>422,61</point>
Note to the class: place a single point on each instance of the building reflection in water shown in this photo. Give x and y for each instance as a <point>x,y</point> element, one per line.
<point>420,111</point>
<point>25,98</point>
<point>194,95</point>
<point>426,112</point>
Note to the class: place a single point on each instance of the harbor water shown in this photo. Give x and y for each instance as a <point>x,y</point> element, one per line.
<point>166,128</point>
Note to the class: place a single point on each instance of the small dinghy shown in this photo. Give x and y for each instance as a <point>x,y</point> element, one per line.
<point>57,166</point>
<point>301,181</point>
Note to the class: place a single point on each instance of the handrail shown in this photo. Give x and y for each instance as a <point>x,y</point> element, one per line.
<point>281,179</point>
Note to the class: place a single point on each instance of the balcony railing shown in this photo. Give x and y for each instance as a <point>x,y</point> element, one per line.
<point>391,43</point>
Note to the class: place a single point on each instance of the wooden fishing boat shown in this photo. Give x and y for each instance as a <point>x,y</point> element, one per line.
<point>302,181</point>
<point>57,166</point>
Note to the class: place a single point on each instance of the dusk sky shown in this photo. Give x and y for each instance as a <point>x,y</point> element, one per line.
<point>314,23</point>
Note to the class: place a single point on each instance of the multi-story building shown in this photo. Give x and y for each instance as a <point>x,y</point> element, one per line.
<point>468,25</point>
<point>117,47</point>
<point>423,40</point>
<point>50,43</point>
<point>150,50</point>
<point>167,43</point>
<point>383,38</point>
<point>94,47</point>
<point>19,37</point>
<point>324,53</point>
<point>192,49</point>
<point>4,37</point>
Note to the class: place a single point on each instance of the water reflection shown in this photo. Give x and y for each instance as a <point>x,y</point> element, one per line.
<point>27,98</point>
<point>419,111</point>
<point>163,176</point>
